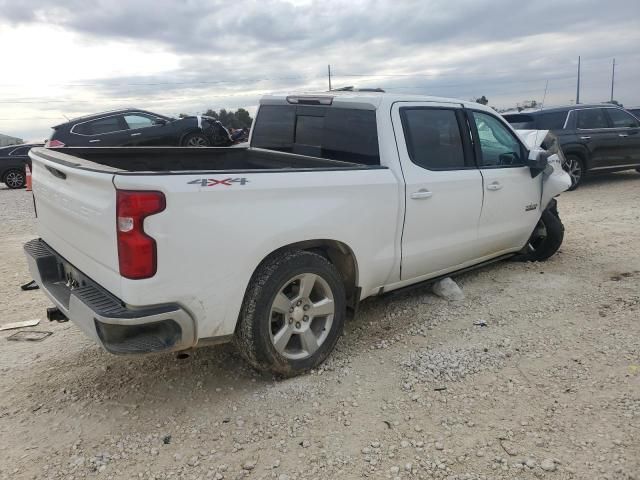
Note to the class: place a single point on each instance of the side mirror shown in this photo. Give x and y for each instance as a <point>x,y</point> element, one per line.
<point>159,121</point>
<point>538,161</point>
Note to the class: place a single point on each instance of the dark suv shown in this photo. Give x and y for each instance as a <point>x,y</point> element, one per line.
<point>12,162</point>
<point>133,127</point>
<point>594,138</point>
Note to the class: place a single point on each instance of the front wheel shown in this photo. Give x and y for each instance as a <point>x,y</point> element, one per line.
<point>574,166</point>
<point>15,179</point>
<point>293,313</point>
<point>546,237</point>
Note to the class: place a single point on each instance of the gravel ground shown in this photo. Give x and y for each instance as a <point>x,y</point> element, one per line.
<point>549,388</point>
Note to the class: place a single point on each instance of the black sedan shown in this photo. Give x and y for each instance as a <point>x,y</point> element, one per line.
<point>12,162</point>
<point>133,127</point>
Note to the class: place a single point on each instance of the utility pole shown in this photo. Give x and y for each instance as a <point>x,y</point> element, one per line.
<point>578,87</point>
<point>329,71</point>
<point>613,77</point>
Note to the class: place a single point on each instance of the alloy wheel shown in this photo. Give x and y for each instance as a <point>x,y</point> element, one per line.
<point>574,168</point>
<point>301,316</point>
<point>14,180</point>
<point>197,141</point>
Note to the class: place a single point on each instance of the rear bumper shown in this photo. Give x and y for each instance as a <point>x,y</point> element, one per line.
<point>120,329</point>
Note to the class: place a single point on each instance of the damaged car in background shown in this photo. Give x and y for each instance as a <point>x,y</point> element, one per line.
<point>135,128</point>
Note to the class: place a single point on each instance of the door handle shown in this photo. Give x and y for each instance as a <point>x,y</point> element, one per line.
<point>585,138</point>
<point>94,141</point>
<point>494,186</point>
<point>136,134</point>
<point>623,135</point>
<point>421,194</point>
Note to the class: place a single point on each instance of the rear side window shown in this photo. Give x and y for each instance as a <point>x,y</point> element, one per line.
<point>20,151</point>
<point>100,126</point>
<point>520,121</point>
<point>621,119</point>
<point>327,132</point>
<point>550,121</point>
<point>591,118</point>
<point>433,138</point>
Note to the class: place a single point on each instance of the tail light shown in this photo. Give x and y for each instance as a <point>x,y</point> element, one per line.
<point>53,144</point>
<point>137,253</point>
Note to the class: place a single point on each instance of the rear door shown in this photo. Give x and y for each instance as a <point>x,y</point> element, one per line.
<point>443,188</point>
<point>511,206</point>
<point>592,129</point>
<point>109,131</point>
<point>626,138</point>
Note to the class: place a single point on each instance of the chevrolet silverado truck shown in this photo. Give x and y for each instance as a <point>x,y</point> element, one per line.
<point>338,197</point>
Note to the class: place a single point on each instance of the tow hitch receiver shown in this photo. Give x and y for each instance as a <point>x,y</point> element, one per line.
<point>54,314</point>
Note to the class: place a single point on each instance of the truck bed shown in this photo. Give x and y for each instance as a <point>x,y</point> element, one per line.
<point>175,159</point>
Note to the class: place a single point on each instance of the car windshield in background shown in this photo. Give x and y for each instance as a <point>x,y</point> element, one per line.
<point>521,121</point>
<point>327,132</point>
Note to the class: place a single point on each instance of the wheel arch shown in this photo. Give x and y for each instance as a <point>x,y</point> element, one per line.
<point>336,252</point>
<point>579,151</point>
<point>188,131</point>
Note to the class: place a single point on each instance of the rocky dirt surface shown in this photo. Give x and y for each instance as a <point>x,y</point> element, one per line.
<point>417,388</point>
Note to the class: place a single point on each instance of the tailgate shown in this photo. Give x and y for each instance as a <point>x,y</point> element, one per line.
<point>76,215</point>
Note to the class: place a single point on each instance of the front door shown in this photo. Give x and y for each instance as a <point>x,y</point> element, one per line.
<point>511,206</point>
<point>443,188</point>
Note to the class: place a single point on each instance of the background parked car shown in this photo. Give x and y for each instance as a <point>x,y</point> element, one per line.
<point>12,161</point>
<point>133,127</point>
<point>594,138</point>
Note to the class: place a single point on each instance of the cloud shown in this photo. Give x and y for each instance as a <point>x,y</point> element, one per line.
<point>214,54</point>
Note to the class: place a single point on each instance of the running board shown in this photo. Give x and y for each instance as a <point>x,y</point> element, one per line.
<point>424,283</point>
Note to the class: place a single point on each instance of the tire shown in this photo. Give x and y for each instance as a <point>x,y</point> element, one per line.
<point>276,324</point>
<point>546,237</point>
<point>196,140</point>
<point>15,179</point>
<point>574,166</point>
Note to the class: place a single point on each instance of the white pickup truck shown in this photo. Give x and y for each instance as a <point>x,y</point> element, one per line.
<point>339,197</point>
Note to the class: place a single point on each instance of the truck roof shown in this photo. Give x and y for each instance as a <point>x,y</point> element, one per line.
<point>368,100</point>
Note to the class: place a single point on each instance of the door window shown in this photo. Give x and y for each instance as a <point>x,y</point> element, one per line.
<point>621,119</point>
<point>592,118</point>
<point>100,126</point>
<point>137,121</point>
<point>433,138</point>
<point>499,147</point>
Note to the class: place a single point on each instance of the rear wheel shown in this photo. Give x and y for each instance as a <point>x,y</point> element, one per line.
<point>196,140</point>
<point>293,313</point>
<point>15,179</point>
<point>546,237</point>
<point>574,166</point>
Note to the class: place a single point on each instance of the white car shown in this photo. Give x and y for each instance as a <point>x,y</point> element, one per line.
<point>339,197</point>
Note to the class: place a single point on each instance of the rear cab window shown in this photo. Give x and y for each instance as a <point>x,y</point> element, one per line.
<point>330,132</point>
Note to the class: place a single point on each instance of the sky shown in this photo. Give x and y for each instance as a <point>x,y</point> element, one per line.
<point>66,58</point>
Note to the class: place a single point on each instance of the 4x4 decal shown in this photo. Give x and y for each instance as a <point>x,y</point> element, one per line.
<point>212,182</point>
